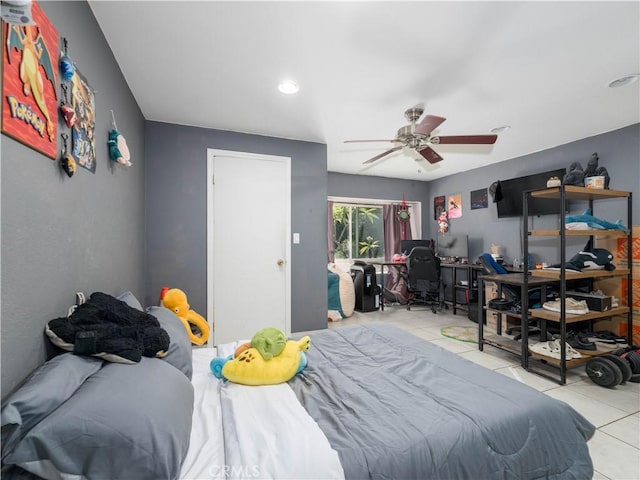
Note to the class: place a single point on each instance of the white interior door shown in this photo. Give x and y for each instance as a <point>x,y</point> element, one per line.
<point>248,244</point>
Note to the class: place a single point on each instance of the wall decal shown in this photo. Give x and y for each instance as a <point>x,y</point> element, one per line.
<point>29,83</point>
<point>454,206</point>
<point>479,199</point>
<point>438,206</point>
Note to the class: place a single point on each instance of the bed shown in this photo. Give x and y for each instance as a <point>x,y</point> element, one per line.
<point>373,402</point>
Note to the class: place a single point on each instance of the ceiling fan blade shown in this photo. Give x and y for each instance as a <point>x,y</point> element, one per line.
<point>360,141</point>
<point>465,139</point>
<point>428,124</point>
<point>383,154</point>
<point>430,155</point>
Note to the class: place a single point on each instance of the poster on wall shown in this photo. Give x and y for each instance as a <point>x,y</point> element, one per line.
<point>454,206</point>
<point>479,199</point>
<point>83,130</point>
<point>29,83</point>
<point>438,206</point>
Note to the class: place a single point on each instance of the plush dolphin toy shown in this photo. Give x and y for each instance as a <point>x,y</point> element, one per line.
<point>594,222</point>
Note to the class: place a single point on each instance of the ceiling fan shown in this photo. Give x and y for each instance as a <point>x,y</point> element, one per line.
<point>417,135</point>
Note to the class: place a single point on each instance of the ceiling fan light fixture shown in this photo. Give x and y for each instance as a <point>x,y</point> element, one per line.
<point>624,81</point>
<point>288,87</point>
<point>501,129</point>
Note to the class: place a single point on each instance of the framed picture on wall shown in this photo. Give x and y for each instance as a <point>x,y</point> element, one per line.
<point>438,206</point>
<point>479,199</point>
<point>29,83</point>
<point>454,205</point>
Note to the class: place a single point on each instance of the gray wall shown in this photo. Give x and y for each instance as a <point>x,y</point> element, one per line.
<point>362,186</point>
<point>619,153</point>
<point>61,235</point>
<point>176,223</point>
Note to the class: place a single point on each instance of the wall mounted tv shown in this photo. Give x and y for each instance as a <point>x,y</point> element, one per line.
<point>511,203</point>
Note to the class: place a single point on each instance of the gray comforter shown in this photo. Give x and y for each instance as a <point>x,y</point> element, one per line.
<point>395,406</point>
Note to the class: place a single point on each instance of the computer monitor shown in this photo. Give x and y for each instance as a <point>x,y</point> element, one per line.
<point>453,247</point>
<point>407,245</point>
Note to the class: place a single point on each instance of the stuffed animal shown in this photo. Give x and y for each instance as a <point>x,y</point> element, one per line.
<point>270,342</point>
<point>590,259</point>
<point>108,328</point>
<point>575,175</point>
<point>197,327</point>
<point>249,368</point>
<point>594,222</point>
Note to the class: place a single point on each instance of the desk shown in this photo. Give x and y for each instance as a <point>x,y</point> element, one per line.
<point>383,282</point>
<point>515,279</point>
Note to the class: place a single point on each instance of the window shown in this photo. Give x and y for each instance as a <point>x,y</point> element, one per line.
<point>358,232</point>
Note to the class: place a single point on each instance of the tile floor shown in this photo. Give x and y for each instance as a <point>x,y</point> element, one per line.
<point>615,447</point>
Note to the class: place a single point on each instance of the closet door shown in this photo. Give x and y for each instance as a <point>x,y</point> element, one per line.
<point>249,250</point>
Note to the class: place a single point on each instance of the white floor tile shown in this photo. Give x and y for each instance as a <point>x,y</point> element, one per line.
<point>613,458</point>
<point>454,345</point>
<point>491,360</point>
<point>597,412</point>
<point>535,381</point>
<point>598,476</point>
<point>625,429</point>
<point>625,397</point>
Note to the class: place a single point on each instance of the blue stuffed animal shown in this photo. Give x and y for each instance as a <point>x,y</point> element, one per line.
<point>594,222</point>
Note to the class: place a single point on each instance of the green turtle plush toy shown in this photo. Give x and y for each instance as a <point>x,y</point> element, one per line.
<point>270,342</point>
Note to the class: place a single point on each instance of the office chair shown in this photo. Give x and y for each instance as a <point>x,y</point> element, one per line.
<point>511,293</point>
<point>423,278</point>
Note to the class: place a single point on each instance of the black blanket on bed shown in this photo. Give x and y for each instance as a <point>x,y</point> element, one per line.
<point>396,406</point>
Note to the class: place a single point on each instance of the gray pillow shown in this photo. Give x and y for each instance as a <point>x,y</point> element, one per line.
<point>48,387</point>
<point>180,354</point>
<point>125,421</point>
<point>130,299</point>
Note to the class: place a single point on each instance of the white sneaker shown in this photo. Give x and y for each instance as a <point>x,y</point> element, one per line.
<point>571,305</point>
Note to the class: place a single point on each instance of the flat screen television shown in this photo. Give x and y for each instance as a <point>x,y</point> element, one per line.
<point>511,203</point>
<point>452,246</point>
<point>407,245</point>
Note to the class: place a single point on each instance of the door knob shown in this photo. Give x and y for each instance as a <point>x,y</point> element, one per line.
<point>280,262</point>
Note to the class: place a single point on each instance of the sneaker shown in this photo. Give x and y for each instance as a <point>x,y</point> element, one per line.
<point>571,305</point>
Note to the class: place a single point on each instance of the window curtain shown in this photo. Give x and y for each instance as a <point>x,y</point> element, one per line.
<point>331,253</point>
<point>393,230</point>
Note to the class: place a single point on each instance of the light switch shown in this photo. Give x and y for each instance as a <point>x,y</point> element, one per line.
<point>296,238</point>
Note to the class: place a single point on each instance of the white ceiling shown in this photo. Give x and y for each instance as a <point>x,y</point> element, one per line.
<point>541,67</point>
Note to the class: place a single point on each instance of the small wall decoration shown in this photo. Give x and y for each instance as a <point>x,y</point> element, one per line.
<point>29,83</point>
<point>118,149</point>
<point>443,222</point>
<point>83,130</point>
<point>454,206</point>
<point>479,199</point>
<point>438,206</point>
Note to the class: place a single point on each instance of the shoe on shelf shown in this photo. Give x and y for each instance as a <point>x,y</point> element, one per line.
<point>571,305</point>
<point>578,341</point>
<point>552,349</point>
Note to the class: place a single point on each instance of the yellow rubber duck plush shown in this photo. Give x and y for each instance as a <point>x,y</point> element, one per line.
<point>176,300</point>
<point>250,368</point>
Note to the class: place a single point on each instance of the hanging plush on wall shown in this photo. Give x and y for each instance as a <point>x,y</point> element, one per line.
<point>403,218</point>
<point>29,83</point>
<point>443,222</point>
<point>67,67</point>
<point>118,149</point>
<point>67,111</point>
<point>67,163</point>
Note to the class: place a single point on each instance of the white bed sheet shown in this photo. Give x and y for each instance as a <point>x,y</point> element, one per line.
<point>252,432</point>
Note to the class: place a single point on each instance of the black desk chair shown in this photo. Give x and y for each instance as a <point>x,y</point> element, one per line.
<point>423,278</point>
<point>513,294</point>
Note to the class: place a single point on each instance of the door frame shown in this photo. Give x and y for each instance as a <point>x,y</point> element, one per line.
<point>211,154</point>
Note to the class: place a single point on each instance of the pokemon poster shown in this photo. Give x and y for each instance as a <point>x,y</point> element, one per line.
<point>29,83</point>
<point>83,130</point>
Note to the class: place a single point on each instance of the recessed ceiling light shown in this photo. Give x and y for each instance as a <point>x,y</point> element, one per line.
<point>623,81</point>
<point>288,87</point>
<point>501,129</point>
